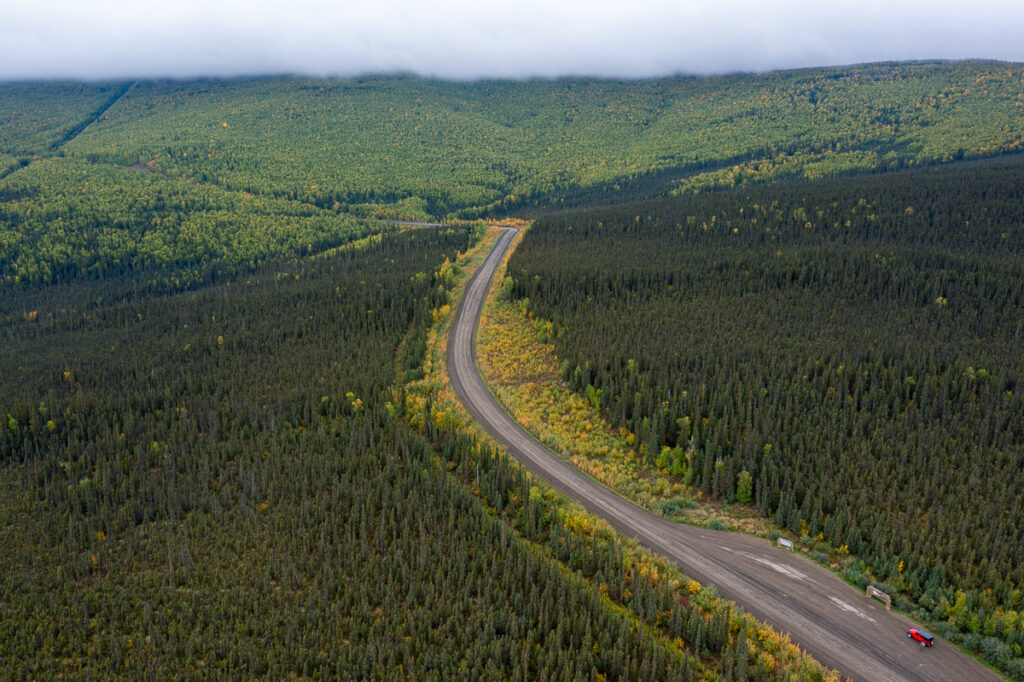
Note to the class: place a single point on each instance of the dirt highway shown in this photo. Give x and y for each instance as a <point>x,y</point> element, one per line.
<point>831,620</point>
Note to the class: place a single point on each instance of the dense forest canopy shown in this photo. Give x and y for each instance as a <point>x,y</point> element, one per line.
<point>408,144</point>
<point>216,483</point>
<point>853,345</point>
<point>209,175</point>
<point>37,117</point>
<point>465,146</point>
<point>68,219</point>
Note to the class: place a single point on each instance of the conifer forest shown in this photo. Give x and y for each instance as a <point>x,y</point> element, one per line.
<point>802,292</point>
<point>851,349</point>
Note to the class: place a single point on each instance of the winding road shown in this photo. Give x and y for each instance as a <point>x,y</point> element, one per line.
<point>826,617</point>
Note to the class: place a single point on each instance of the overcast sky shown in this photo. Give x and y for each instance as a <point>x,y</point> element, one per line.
<point>466,39</point>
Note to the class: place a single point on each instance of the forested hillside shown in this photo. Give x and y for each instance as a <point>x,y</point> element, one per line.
<point>36,118</point>
<point>69,219</point>
<point>225,174</point>
<point>845,355</point>
<point>448,147</point>
<point>406,146</point>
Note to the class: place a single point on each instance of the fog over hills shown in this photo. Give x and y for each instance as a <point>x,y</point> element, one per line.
<point>460,39</point>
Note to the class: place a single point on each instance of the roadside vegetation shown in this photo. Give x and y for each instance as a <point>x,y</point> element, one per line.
<point>648,588</point>
<point>516,355</point>
<point>842,356</point>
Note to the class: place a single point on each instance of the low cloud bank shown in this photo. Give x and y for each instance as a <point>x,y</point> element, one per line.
<point>459,39</point>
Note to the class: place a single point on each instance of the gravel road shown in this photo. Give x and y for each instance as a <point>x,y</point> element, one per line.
<point>834,622</point>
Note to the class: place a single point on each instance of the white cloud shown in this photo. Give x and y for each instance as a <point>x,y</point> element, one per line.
<point>463,39</point>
